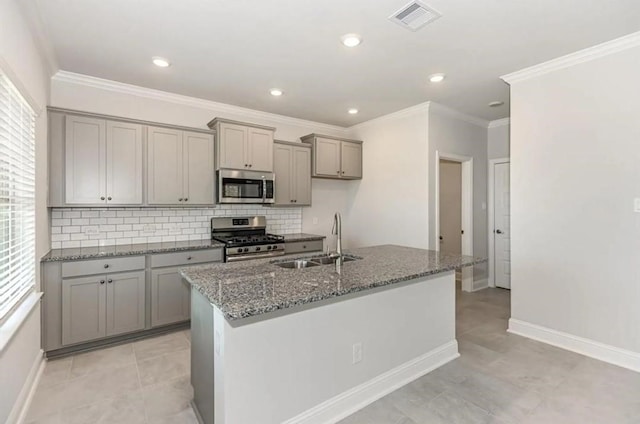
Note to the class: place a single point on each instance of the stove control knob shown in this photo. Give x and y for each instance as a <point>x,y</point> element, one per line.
<point>257,248</point>
<point>268,247</point>
<point>246,249</point>
<point>239,250</point>
<point>275,247</point>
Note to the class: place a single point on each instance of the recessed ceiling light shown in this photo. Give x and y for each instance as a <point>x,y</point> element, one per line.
<point>161,62</point>
<point>353,111</point>
<point>351,40</point>
<point>276,92</point>
<point>436,77</point>
<point>497,103</point>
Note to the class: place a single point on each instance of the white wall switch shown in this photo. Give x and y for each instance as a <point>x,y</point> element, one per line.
<point>357,353</point>
<point>636,204</point>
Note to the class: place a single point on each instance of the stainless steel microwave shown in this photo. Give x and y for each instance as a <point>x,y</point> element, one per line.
<point>245,186</point>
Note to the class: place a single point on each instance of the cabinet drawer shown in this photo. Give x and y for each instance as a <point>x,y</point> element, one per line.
<point>102,266</point>
<point>303,246</point>
<point>186,258</point>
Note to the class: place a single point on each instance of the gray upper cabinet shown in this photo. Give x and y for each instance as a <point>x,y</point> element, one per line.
<point>292,167</point>
<point>180,167</point>
<point>243,146</point>
<point>103,162</point>
<point>102,305</point>
<point>335,157</point>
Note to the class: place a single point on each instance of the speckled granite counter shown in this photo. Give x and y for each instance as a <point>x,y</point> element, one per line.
<point>301,237</point>
<point>245,289</point>
<point>80,253</point>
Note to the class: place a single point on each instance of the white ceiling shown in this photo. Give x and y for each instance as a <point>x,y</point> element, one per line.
<point>234,51</point>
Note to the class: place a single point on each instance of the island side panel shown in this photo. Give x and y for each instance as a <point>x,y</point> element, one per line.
<point>202,356</point>
<point>286,365</point>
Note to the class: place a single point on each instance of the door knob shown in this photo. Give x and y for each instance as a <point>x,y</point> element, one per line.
<point>498,231</point>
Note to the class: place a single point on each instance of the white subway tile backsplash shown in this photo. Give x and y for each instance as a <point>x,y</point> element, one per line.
<point>91,227</point>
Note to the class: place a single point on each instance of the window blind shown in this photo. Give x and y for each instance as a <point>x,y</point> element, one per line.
<point>17,196</point>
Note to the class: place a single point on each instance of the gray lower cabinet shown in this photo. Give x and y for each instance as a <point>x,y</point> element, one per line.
<point>98,306</point>
<point>169,297</point>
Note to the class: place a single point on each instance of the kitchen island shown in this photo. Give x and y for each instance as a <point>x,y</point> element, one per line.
<point>280,345</point>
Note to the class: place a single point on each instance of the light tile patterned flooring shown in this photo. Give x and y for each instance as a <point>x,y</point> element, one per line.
<point>500,378</point>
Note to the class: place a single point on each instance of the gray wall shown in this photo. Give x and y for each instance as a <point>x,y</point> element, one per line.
<point>498,142</point>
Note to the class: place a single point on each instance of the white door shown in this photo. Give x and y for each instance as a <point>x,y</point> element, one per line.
<point>501,227</point>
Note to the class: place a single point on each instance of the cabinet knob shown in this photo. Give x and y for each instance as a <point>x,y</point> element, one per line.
<point>109,281</point>
<point>342,172</point>
<point>109,198</point>
<point>101,197</point>
<point>338,172</point>
<point>250,165</point>
<point>189,258</point>
<point>186,199</point>
<point>246,165</point>
<point>295,201</point>
<point>101,281</point>
<point>180,199</point>
<point>106,266</point>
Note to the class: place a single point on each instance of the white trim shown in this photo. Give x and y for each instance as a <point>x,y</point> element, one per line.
<point>443,110</point>
<point>467,210</point>
<point>17,317</point>
<point>480,284</point>
<point>150,93</point>
<point>491,218</point>
<point>422,107</point>
<point>581,56</point>
<point>346,403</point>
<point>603,352</point>
<point>18,414</point>
<point>499,123</point>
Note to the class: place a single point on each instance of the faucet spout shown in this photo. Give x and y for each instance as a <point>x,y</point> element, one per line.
<point>337,230</point>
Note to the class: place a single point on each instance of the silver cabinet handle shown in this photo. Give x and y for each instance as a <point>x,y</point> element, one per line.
<point>106,266</point>
<point>109,198</point>
<point>101,197</point>
<point>101,281</point>
<point>109,281</point>
<point>499,231</point>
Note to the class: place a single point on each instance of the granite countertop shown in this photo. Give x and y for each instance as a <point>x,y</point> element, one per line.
<point>301,237</point>
<point>245,289</point>
<point>74,254</point>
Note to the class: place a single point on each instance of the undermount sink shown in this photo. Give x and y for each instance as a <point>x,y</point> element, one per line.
<point>297,264</point>
<point>309,262</point>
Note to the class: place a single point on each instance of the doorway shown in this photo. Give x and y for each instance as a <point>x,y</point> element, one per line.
<point>499,224</point>
<point>454,209</point>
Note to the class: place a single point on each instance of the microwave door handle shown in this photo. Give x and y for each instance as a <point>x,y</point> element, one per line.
<point>264,190</point>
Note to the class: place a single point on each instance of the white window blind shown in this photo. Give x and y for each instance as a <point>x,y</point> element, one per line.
<point>17,196</point>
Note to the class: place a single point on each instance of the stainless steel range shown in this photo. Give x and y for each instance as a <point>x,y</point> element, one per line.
<point>246,238</point>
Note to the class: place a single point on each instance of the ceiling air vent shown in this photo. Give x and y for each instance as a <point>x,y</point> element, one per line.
<point>415,15</point>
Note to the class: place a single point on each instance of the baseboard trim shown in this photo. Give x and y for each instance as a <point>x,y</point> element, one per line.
<point>603,352</point>
<point>480,284</point>
<point>346,403</point>
<point>20,408</point>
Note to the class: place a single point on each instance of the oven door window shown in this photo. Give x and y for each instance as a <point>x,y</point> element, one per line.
<point>237,188</point>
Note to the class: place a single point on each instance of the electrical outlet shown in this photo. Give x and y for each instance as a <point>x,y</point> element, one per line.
<point>357,353</point>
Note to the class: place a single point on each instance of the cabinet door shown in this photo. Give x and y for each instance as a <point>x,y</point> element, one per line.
<point>260,149</point>
<point>169,297</point>
<point>164,166</point>
<point>85,159</point>
<point>125,302</point>
<point>83,309</point>
<point>198,168</point>
<point>124,163</point>
<point>301,178</point>
<point>327,157</point>
<point>232,141</point>
<point>282,166</point>
<point>351,160</point>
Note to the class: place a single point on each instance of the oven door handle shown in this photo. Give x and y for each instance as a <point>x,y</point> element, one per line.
<point>264,190</point>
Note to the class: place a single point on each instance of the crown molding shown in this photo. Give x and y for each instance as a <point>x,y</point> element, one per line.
<point>499,122</point>
<point>443,110</point>
<point>419,108</point>
<point>150,93</point>
<point>581,56</point>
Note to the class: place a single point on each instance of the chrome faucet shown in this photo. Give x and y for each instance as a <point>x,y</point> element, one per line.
<point>337,230</point>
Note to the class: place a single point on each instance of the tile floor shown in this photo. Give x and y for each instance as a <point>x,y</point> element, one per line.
<point>500,378</point>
